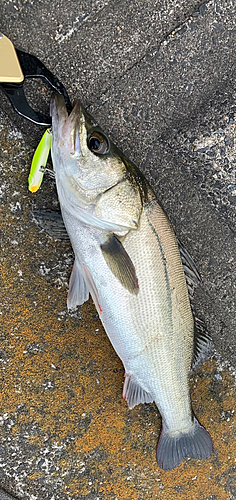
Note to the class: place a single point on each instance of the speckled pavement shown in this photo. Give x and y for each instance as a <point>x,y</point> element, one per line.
<point>160,78</point>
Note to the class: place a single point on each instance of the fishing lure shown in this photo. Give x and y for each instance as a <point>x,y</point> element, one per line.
<point>39,161</point>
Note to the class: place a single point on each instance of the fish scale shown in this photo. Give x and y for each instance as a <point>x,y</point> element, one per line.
<point>167,332</point>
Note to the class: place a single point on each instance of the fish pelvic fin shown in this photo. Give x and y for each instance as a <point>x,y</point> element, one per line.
<point>172,449</point>
<point>134,394</point>
<point>78,290</point>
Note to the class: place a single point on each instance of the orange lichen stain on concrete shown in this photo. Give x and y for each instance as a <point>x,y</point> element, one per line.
<point>73,489</point>
<point>67,380</point>
<point>102,434</point>
<point>112,488</point>
<point>35,439</point>
<point>35,475</point>
<point>193,479</point>
<point>197,479</point>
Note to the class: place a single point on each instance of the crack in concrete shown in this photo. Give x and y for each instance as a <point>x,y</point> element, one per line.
<point>152,50</point>
<point>60,37</point>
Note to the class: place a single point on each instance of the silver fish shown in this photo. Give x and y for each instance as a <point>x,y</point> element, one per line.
<point>127,257</point>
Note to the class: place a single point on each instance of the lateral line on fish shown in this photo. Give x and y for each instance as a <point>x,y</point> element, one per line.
<point>164,264</point>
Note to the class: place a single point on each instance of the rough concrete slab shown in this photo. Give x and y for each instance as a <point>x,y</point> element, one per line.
<point>89,44</point>
<point>6,496</point>
<point>171,108</point>
<point>65,431</point>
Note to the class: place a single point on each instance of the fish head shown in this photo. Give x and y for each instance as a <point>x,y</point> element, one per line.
<point>85,162</point>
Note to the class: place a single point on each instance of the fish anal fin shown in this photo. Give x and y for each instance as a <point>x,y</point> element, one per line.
<point>120,263</point>
<point>134,394</point>
<point>78,290</point>
<point>203,344</point>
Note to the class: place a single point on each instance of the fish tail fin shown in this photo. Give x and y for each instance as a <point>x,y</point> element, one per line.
<point>171,450</point>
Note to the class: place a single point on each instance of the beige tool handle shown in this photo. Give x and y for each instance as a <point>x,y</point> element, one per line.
<point>10,70</point>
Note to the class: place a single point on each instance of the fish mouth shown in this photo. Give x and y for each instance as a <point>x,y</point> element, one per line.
<point>58,108</point>
<point>66,126</point>
<point>59,113</point>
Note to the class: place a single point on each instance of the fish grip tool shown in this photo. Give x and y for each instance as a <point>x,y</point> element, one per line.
<point>15,67</point>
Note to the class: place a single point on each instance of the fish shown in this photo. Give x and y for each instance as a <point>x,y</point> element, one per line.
<point>129,260</point>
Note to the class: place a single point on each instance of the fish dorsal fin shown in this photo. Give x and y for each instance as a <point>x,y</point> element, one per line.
<point>78,290</point>
<point>120,263</point>
<point>192,275</point>
<point>52,223</point>
<point>203,344</point>
<point>134,394</point>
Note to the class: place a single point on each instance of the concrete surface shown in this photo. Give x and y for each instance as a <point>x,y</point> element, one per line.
<point>6,496</point>
<point>160,78</point>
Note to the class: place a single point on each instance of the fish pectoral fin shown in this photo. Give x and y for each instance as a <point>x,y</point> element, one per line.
<point>78,290</point>
<point>134,394</point>
<point>120,263</point>
<point>52,223</point>
<point>203,344</point>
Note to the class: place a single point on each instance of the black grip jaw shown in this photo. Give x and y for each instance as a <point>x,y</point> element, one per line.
<point>32,67</point>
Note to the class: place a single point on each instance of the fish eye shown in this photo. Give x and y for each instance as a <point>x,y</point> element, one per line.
<point>98,143</point>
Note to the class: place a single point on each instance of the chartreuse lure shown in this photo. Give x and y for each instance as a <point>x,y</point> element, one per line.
<point>39,161</point>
